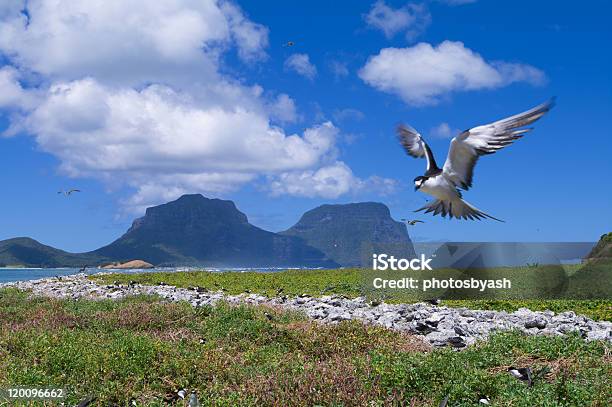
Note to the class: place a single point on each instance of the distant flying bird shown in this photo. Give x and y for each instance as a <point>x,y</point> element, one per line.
<point>412,222</point>
<point>465,149</point>
<point>68,192</point>
<point>289,44</point>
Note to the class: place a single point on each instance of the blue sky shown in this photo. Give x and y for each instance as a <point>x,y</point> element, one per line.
<point>138,113</point>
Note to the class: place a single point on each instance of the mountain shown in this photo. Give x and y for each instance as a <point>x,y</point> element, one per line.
<point>23,251</point>
<point>349,234</point>
<point>194,230</point>
<point>603,249</point>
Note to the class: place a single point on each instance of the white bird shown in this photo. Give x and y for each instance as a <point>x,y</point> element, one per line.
<point>465,149</point>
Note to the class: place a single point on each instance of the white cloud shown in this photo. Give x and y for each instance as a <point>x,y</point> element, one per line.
<point>443,130</point>
<point>131,42</point>
<point>95,129</point>
<point>300,63</point>
<point>328,182</point>
<point>283,109</point>
<point>250,38</point>
<point>411,19</point>
<point>422,74</point>
<point>12,94</point>
<point>133,93</point>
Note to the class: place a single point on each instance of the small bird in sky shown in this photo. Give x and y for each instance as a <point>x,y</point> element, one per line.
<point>289,44</point>
<point>412,222</point>
<point>465,150</point>
<point>68,192</point>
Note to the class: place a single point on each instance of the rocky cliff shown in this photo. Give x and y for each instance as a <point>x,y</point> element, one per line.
<point>349,234</point>
<point>194,230</point>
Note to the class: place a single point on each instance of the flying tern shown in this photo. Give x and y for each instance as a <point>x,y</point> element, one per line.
<point>445,183</point>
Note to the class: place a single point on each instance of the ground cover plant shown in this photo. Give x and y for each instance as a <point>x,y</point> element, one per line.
<point>144,350</point>
<point>347,282</point>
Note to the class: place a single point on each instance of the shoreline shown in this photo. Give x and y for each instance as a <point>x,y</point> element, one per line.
<point>438,325</point>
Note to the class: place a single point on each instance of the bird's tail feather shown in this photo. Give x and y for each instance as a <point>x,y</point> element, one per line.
<point>457,208</point>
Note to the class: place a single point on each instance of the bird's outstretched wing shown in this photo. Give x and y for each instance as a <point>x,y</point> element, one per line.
<point>467,147</point>
<point>415,146</point>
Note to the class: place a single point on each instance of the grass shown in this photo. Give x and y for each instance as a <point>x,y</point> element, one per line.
<point>348,282</point>
<point>144,350</point>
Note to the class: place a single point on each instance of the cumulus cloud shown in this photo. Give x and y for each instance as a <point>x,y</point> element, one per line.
<point>283,109</point>
<point>329,182</point>
<point>300,63</point>
<point>133,93</point>
<point>411,19</point>
<point>422,74</point>
<point>12,94</point>
<point>159,130</point>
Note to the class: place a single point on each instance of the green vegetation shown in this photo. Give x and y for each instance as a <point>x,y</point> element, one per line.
<point>142,349</point>
<point>346,282</point>
<point>603,248</point>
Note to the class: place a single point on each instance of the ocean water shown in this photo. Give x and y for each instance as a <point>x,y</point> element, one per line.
<point>8,275</point>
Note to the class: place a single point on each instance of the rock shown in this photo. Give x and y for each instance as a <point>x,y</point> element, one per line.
<point>459,331</point>
<point>423,328</point>
<point>456,342</point>
<point>439,326</point>
<point>539,323</point>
